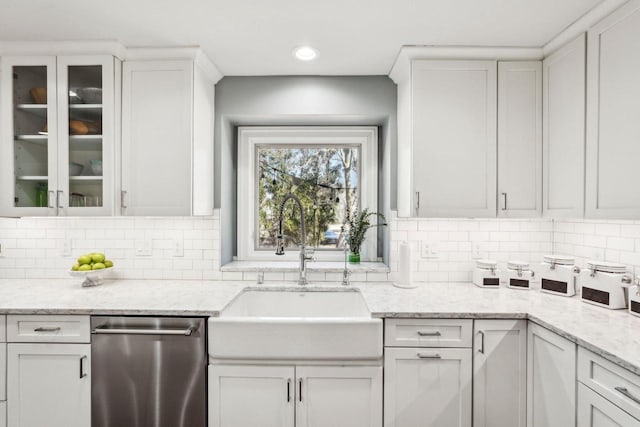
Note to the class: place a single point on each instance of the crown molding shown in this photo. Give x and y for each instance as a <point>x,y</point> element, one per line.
<point>33,48</point>
<point>581,25</point>
<point>401,68</point>
<point>192,53</point>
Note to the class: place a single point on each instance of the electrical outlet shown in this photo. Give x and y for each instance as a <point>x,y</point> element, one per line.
<point>66,247</point>
<point>475,250</point>
<point>178,248</point>
<point>428,250</point>
<point>144,247</point>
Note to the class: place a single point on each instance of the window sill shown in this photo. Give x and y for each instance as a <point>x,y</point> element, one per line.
<point>292,266</point>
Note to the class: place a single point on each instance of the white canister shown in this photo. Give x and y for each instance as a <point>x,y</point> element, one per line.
<point>519,275</point>
<point>605,284</point>
<point>559,275</point>
<point>486,274</point>
<point>634,298</point>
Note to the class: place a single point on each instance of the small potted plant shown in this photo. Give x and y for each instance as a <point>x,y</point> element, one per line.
<point>359,223</point>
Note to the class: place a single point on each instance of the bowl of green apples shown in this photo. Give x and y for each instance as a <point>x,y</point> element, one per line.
<point>92,268</point>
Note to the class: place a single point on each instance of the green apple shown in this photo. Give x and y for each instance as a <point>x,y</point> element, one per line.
<point>84,267</point>
<point>98,266</point>
<point>97,257</point>
<point>75,267</point>
<point>108,263</point>
<point>84,259</point>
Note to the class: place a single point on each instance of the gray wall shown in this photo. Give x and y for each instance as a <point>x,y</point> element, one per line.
<point>301,100</point>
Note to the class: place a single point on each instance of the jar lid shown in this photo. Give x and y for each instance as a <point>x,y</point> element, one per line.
<point>487,264</point>
<point>606,267</point>
<point>559,259</point>
<point>518,265</point>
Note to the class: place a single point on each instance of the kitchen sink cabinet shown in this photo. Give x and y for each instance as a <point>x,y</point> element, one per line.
<point>500,373</point>
<point>339,396</point>
<point>564,99</point>
<point>304,396</point>
<point>551,378</point>
<point>49,385</point>
<point>268,390</point>
<point>613,128</point>
<point>167,138</point>
<point>519,139</point>
<point>58,135</point>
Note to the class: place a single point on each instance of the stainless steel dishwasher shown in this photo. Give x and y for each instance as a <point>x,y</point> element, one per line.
<point>148,372</point>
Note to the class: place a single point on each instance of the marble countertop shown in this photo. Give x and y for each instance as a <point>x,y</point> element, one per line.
<point>614,334</point>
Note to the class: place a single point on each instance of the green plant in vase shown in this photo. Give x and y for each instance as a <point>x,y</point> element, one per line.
<point>359,224</point>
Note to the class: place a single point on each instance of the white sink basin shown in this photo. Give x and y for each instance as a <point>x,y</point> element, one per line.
<point>296,325</point>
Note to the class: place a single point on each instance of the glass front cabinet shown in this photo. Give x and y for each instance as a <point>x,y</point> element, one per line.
<point>57,130</point>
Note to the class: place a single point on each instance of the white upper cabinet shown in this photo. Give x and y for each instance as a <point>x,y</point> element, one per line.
<point>613,127</point>
<point>519,139</point>
<point>564,130</point>
<point>167,138</point>
<point>58,135</point>
<point>454,138</point>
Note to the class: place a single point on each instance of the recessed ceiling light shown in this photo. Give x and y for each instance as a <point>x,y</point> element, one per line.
<point>305,53</point>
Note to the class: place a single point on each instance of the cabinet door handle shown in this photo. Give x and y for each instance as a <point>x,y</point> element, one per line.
<point>59,199</point>
<point>429,356</point>
<point>417,202</point>
<point>289,390</point>
<point>300,389</point>
<point>623,391</point>
<point>50,196</point>
<point>47,329</point>
<point>429,334</point>
<point>481,349</point>
<point>504,201</point>
<point>123,195</point>
<point>83,372</point>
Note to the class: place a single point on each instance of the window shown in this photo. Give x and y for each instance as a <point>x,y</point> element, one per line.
<point>332,170</point>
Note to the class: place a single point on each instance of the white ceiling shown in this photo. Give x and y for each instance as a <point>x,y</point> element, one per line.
<point>256,37</point>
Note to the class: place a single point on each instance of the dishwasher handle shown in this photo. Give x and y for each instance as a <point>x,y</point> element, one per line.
<point>137,331</point>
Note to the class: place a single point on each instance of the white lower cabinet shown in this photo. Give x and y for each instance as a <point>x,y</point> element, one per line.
<point>427,387</point>
<point>500,373</point>
<point>268,390</point>
<point>551,379</point>
<point>596,411</point>
<point>304,396</point>
<point>49,385</point>
<point>3,414</point>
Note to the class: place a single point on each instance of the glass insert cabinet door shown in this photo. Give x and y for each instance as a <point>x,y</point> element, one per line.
<point>86,114</point>
<point>56,129</point>
<point>28,136</point>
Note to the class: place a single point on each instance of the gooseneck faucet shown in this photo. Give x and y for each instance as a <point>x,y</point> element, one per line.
<point>305,254</point>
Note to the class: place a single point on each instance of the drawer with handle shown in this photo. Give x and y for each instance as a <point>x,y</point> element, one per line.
<point>48,328</point>
<point>428,332</point>
<point>611,381</point>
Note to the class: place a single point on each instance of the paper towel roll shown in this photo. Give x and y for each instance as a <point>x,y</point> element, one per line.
<point>405,275</point>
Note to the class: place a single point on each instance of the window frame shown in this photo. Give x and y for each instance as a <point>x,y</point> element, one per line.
<point>252,137</point>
